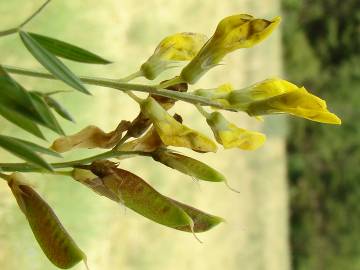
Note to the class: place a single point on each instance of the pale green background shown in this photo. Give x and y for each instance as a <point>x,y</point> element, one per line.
<point>255,236</point>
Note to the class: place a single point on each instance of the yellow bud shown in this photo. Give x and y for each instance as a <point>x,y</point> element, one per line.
<point>280,96</point>
<point>232,33</point>
<point>230,136</point>
<point>174,133</point>
<point>172,49</point>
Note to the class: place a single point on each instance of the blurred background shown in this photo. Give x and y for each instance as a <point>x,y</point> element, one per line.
<point>298,203</point>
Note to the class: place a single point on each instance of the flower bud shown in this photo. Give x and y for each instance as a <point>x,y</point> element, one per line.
<point>141,123</point>
<point>171,50</point>
<point>174,133</point>
<point>230,136</point>
<point>232,33</point>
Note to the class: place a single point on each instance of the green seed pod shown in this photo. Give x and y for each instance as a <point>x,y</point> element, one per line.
<point>188,166</point>
<point>201,221</point>
<point>52,237</point>
<point>139,196</point>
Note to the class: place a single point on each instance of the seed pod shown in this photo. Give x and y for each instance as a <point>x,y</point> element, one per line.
<point>188,165</point>
<point>201,221</point>
<point>52,237</point>
<point>139,196</point>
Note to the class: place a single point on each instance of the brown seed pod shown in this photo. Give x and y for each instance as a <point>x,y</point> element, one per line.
<point>52,237</point>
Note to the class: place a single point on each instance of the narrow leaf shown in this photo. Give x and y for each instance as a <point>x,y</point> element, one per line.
<point>21,150</point>
<point>15,97</point>
<point>19,120</point>
<point>54,104</point>
<point>51,63</point>
<point>38,148</point>
<point>68,51</point>
<point>46,114</point>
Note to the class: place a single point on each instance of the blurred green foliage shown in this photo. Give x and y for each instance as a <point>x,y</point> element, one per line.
<point>322,52</point>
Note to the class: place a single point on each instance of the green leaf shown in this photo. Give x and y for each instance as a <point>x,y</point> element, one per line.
<point>51,63</point>
<point>23,151</point>
<point>38,148</point>
<point>15,97</point>
<point>58,108</point>
<point>19,120</point>
<point>46,114</point>
<point>68,51</point>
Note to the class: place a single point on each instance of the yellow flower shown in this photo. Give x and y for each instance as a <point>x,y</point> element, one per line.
<point>279,96</point>
<point>232,33</point>
<point>174,48</point>
<point>230,136</point>
<point>174,133</point>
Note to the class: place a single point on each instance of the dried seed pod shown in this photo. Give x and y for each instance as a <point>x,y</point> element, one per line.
<point>52,237</point>
<point>90,137</point>
<point>201,221</point>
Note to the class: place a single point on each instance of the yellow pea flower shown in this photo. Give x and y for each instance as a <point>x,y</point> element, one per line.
<point>230,136</point>
<point>174,133</point>
<point>232,33</point>
<point>172,49</point>
<point>279,96</point>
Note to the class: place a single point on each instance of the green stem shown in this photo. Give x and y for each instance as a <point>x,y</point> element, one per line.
<point>187,97</point>
<point>26,167</point>
<point>16,29</point>
<point>132,76</point>
<point>202,111</point>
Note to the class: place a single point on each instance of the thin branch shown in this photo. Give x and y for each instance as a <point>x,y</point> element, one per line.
<point>122,86</point>
<point>16,29</point>
<point>34,14</point>
<point>26,167</point>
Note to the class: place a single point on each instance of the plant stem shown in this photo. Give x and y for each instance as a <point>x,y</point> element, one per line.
<point>131,77</point>
<point>16,29</point>
<point>202,111</point>
<point>187,97</point>
<point>26,167</point>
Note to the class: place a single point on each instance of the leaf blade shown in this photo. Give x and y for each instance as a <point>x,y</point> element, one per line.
<point>68,51</point>
<point>22,151</point>
<point>19,120</point>
<point>51,63</point>
<point>49,119</point>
